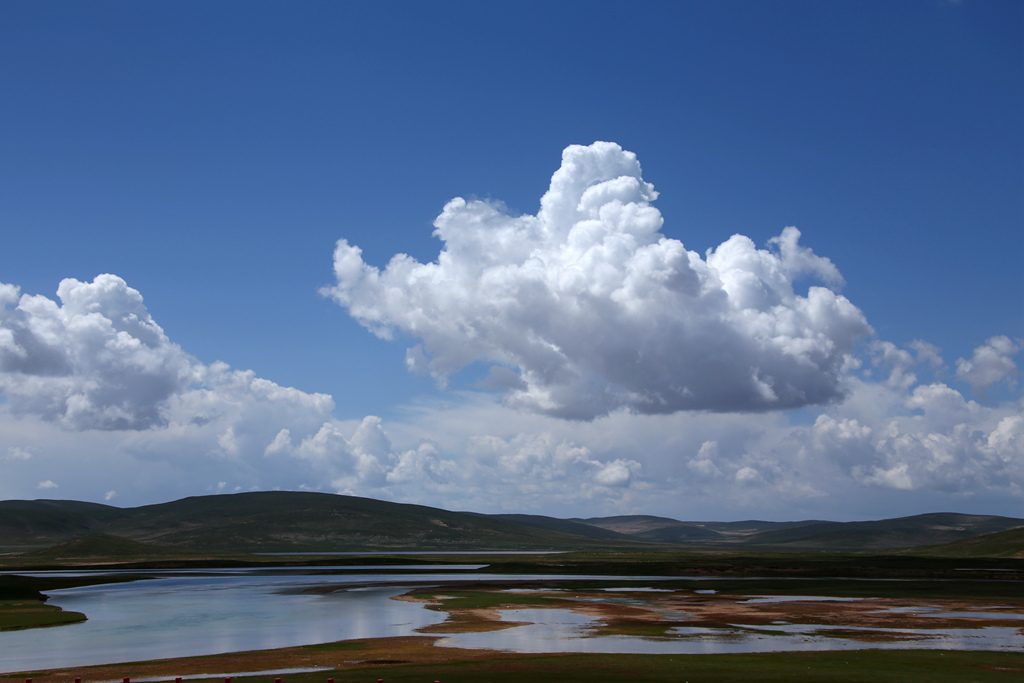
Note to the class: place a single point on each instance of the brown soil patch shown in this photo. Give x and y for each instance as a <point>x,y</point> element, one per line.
<point>462,620</point>
<point>372,652</point>
<point>644,613</point>
<point>625,612</point>
<point>470,621</point>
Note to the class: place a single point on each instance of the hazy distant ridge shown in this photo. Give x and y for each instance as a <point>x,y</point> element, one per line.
<point>918,530</point>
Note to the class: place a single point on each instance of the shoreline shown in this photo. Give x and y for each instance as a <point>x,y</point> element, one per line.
<point>417,658</point>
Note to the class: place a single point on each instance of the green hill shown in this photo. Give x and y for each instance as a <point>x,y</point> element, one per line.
<point>655,529</point>
<point>103,547</point>
<point>31,523</point>
<point>289,521</point>
<point>886,534</point>
<point>1008,543</point>
<point>279,521</point>
<point>568,526</point>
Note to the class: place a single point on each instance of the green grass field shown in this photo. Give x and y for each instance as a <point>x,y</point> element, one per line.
<point>862,666</point>
<point>834,667</point>
<point>17,614</point>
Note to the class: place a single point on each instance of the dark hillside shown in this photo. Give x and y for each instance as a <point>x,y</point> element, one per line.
<point>282,521</point>
<point>568,526</point>
<point>655,529</point>
<point>102,547</point>
<point>35,522</point>
<point>289,521</point>
<point>902,532</point>
<point>277,521</point>
<point>667,530</point>
<point>1008,543</point>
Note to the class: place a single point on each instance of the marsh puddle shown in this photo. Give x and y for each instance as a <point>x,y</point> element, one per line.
<point>937,613</point>
<point>769,599</point>
<point>561,630</point>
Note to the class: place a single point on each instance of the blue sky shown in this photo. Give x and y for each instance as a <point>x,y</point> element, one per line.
<point>211,155</point>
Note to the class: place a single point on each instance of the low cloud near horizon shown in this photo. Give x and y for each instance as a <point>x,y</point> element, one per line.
<point>632,374</point>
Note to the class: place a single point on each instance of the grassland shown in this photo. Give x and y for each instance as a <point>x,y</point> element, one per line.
<point>982,572</point>
<point>23,603</point>
<point>18,614</point>
<point>290,521</point>
<point>416,659</point>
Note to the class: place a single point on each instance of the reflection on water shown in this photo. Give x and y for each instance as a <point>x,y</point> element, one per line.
<point>974,615</point>
<point>165,618</point>
<point>938,613</point>
<point>239,674</point>
<point>561,630</point>
<point>767,599</point>
<point>182,613</point>
<point>187,613</point>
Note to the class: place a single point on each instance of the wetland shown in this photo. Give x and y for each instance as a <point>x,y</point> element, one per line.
<point>566,605</point>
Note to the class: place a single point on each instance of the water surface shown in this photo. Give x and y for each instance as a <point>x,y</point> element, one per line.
<point>562,630</point>
<point>181,613</point>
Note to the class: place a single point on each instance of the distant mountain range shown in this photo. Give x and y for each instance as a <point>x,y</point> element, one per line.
<point>281,521</point>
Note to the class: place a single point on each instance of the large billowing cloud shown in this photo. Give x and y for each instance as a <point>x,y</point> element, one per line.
<point>101,406</point>
<point>584,311</point>
<point>92,372</point>
<point>97,360</point>
<point>895,444</point>
<point>587,308</point>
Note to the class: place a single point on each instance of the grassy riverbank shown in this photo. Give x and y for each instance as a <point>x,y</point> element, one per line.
<point>23,604</point>
<point>18,614</point>
<point>416,659</point>
<point>623,563</point>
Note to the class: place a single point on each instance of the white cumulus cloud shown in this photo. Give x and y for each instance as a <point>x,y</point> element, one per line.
<point>586,307</point>
<point>990,363</point>
<point>93,362</point>
<point>97,360</point>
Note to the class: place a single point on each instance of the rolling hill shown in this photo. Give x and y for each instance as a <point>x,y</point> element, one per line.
<point>813,535</point>
<point>280,521</point>
<point>1009,543</point>
<point>667,530</point>
<point>283,521</point>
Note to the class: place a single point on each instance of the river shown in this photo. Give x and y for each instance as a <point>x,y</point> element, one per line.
<point>179,613</point>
